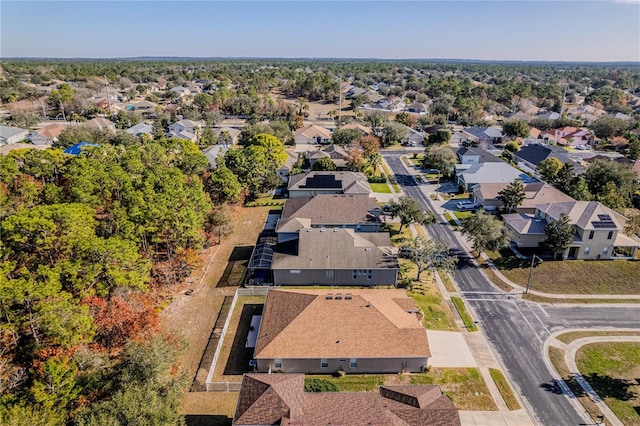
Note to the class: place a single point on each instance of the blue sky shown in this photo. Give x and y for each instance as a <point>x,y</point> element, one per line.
<point>500,30</point>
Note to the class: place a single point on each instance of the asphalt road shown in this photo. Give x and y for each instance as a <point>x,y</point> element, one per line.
<point>516,328</point>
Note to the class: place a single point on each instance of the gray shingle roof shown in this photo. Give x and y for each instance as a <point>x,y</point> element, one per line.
<point>330,209</point>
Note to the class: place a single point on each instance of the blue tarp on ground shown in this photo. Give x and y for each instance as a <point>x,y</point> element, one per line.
<point>77,148</point>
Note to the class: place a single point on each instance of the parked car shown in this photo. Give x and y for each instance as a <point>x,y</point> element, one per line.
<point>467,205</point>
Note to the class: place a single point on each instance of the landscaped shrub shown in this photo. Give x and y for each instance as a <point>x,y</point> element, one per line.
<point>377,179</point>
<point>319,385</point>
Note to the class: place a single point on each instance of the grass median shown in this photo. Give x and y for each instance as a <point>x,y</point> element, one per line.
<point>505,389</point>
<point>464,314</point>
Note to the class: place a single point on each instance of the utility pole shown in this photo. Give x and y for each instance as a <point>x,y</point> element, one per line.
<point>533,259</point>
<point>106,86</point>
<point>564,94</point>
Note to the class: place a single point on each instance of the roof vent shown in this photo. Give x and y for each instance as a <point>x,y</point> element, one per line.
<point>309,230</point>
<point>348,296</point>
<point>336,229</point>
<point>329,296</point>
<point>367,249</point>
<point>338,296</point>
<point>323,230</point>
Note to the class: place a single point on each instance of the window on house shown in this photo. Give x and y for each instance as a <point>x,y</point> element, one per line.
<point>587,250</point>
<point>591,235</point>
<point>277,363</point>
<point>369,275</point>
<point>324,363</point>
<point>605,250</point>
<point>610,235</point>
<point>355,274</point>
<point>353,363</point>
<point>329,274</point>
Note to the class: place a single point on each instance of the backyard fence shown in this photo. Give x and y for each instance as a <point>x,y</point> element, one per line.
<point>229,386</point>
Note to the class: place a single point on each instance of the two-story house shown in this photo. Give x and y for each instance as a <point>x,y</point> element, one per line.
<point>321,182</point>
<point>598,229</point>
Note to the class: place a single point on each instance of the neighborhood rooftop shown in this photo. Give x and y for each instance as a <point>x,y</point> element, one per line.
<point>302,324</point>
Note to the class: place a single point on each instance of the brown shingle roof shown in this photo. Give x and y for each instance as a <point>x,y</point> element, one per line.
<point>317,250</point>
<point>305,324</point>
<point>393,406</point>
<point>330,209</point>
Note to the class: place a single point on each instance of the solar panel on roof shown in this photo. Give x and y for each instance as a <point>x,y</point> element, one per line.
<point>603,224</point>
<point>322,181</point>
<point>605,218</point>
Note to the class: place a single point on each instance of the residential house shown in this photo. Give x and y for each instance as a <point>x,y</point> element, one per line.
<point>622,116</point>
<point>185,125</point>
<point>101,123</point>
<point>598,229</point>
<point>469,175</point>
<point>396,105</point>
<point>270,399</point>
<point>418,108</point>
<point>358,331</point>
<point>314,183</point>
<point>486,196</point>
<point>284,171</point>
<point>185,129</point>
<point>363,259</point>
<point>336,153</point>
<point>9,134</point>
<point>468,155</point>
<point>144,107</point>
<point>47,135</point>
<point>227,135</point>
<point>549,115</point>
<point>413,138</point>
<point>5,149</point>
<point>355,91</point>
<point>358,212</point>
<point>365,130</point>
<point>574,137</point>
<point>529,157</point>
<point>484,136</point>
<point>372,97</point>
<point>140,129</point>
<point>312,134</point>
<point>182,91</point>
<point>213,153</point>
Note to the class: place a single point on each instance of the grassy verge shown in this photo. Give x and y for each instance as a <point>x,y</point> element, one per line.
<point>612,369</point>
<point>504,388</point>
<point>392,180</point>
<point>540,299</point>
<point>352,383</point>
<point>380,188</point>
<point>464,386</point>
<point>451,220</point>
<point>436,313</point>
<point>420,231</point>
<point>464,314</point>
<point>572,276</point>
<point>556,355</point>
<point>448,283</point>
<point>575,335</point>
<point>266,200</point>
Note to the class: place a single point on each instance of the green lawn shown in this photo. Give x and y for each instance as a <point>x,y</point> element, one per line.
<point>462,214</point>
<point>398,238</point>
<point>390,177</point>
<point>436,313</point>
<point>464,386</point>
<point>446,280</point>
<point>450,219</point>
<point>351,382</point>
<point>464,314</point>
<point>504,388</point>
<point>613,369</point>
<point>380,187</point>
<point>572,276</point>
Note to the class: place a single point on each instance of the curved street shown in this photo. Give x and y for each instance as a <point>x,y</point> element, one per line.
<point>515,328</point>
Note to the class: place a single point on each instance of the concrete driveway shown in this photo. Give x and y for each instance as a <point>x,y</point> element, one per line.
<point>449,349</point>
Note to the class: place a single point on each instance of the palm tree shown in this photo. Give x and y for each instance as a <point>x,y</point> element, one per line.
<point>375,160</point>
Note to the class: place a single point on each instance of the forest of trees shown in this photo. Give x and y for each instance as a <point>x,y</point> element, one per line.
<point>89,244</point>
